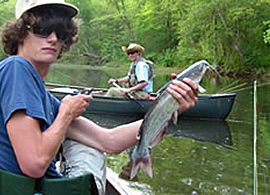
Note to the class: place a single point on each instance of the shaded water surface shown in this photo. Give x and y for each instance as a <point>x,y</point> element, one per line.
<point>200,157</point>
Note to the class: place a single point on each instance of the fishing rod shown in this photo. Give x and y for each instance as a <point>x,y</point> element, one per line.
<point>84,90</point>
<point>76,87</point>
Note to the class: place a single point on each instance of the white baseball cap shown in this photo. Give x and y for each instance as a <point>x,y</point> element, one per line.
<point>24,5</point>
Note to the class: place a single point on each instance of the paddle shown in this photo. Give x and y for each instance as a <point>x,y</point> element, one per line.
<point>128,94</point>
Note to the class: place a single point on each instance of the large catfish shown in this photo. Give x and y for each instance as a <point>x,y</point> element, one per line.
<point>155,121</point>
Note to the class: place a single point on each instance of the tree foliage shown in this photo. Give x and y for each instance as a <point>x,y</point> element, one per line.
<point>234,35</point>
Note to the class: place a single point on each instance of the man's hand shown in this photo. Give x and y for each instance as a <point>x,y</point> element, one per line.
<point>75,105</point>
<point>185,91</point>
<point>110,81</point>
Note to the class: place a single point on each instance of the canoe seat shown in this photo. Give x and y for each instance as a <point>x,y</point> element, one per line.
<point>13,184</point>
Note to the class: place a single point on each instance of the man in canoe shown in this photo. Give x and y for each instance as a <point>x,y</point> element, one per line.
<point>139,81</point>
<point>33,123</point>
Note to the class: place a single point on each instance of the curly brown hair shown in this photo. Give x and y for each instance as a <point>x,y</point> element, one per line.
<point>16,31</point>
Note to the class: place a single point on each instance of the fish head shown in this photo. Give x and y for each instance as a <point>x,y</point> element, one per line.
<point>196,71</point>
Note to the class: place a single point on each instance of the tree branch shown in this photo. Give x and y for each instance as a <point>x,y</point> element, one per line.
<point>233,40</point>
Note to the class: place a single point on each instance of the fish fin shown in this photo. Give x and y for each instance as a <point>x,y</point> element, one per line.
<point>201,89</point>
<point>139,134</point>
<point>175,117</point>
<point>159,137</point>
<point>143,162</point>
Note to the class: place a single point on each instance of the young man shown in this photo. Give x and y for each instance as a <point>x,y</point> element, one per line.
<point>139,81</point>
<point>33,123</point>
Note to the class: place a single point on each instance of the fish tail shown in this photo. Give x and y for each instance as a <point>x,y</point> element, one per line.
<point>143,162</point>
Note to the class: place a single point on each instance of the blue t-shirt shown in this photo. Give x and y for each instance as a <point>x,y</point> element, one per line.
<point>21,88</point>
<point>141,72</point>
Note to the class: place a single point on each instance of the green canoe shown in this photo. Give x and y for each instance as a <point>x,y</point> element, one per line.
<point>209,106</point>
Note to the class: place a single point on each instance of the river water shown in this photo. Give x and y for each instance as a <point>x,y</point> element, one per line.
<point>197,157</point>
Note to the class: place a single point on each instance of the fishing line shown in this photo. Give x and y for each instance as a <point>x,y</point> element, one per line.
<point>228,90</point>
<point>68,76</point>
<point>228,86</point>
<point>255,137</point>
<point>249,87</point>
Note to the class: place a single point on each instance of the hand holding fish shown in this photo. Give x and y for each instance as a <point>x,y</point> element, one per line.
<point>185,92</point>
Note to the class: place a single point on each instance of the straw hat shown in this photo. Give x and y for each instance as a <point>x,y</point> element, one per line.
<point>24,5</point>
<point>134,47</point>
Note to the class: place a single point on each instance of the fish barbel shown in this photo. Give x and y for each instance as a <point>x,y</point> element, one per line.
<point>156,119</point>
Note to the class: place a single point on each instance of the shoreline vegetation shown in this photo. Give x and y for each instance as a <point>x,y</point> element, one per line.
<point>161,70</point>
<point>235,35</point>
<point>97,76</point>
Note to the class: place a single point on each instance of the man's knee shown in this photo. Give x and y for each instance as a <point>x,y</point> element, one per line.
<point>114,92</point>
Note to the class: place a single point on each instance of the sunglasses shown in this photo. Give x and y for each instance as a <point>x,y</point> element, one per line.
<point>131,52</point>
<point>46,32</point>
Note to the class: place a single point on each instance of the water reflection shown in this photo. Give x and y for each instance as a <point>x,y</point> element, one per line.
<point>214,131</point>
<point>110,121</point>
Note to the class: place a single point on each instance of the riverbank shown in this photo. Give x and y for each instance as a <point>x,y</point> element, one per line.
<point>122,69</point>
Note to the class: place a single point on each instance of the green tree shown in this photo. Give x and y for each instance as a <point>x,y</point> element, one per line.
<point>234,35</point>
<point>267,32</point>
<point>6,13</point>
<point>225,33</point>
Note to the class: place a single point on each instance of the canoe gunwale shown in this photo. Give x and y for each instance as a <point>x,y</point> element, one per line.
<point>209,106</point>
